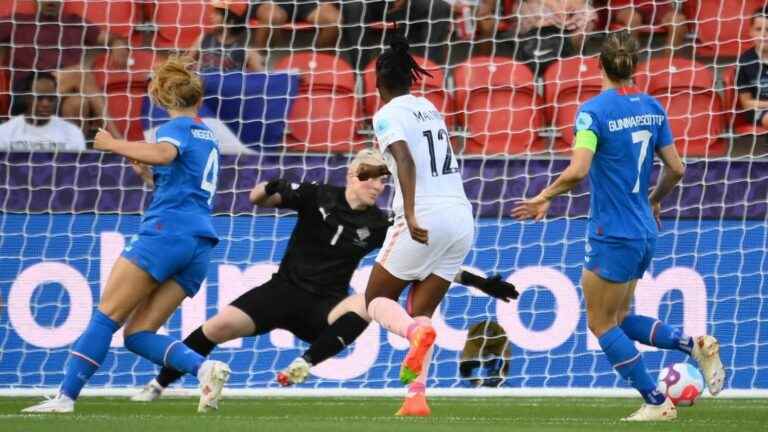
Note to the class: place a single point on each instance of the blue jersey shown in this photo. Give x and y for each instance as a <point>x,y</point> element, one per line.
<point>630,126</point>
<point>184,189</point>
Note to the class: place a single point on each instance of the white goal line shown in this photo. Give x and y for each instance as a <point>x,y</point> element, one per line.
<point>390,392</point>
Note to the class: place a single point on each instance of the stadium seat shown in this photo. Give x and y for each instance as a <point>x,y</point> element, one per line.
<point>5,93</point>
<point>126,88</point>
<point>497,97</point>
<point>739,125</point>
<point>567,84</point>
<point>179,22</point>
<point>722,26</point>
<point>432,88</point>
<point>323,116</point>
<point>10,7</point>
<point>685,88</point>
<point>116,17</point>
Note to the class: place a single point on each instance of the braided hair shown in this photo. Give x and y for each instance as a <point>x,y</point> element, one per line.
<point>618,55</point>
<point>396,70</point>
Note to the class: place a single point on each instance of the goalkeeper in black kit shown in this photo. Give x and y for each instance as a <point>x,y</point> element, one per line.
<point>309,295</point>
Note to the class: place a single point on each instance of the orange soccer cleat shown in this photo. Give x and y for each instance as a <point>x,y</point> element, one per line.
<point>422,338</point>
<point>414,405</point>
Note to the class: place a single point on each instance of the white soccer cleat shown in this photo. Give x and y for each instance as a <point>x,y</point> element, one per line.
<point>151,392</point>
<point>58,404</point>
<point>706,352</point>
<point>295,373</point>
<point>651,413</point>
<point>213,375</point>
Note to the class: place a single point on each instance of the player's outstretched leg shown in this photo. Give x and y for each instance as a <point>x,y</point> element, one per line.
<point>704,349</point>
<point>348,319</point>
<point>86,356</point>
<point>196,341</point>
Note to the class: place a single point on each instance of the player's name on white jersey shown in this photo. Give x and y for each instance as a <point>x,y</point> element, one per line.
<point>425,116</point>
<point>635,121</point>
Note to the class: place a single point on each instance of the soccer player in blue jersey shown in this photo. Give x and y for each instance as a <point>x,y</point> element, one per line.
<point>168,259</point>
<point>617,133</point>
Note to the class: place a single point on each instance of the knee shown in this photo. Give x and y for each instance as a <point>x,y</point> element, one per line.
<point>220,331</point>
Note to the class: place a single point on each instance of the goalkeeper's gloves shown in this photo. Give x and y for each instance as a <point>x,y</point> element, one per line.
<point>494,286</point>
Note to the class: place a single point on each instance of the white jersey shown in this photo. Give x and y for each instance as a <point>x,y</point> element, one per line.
<point>56,135</point>
<point>416,121</point>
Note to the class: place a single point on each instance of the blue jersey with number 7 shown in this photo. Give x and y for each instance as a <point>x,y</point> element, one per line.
<point>630,126</point>
<point>185,188</point>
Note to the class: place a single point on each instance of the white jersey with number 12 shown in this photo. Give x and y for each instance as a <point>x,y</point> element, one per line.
<point>416,121</point>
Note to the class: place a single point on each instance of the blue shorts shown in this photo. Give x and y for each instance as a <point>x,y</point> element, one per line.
<point>619,260</point>
<point>183,258</point>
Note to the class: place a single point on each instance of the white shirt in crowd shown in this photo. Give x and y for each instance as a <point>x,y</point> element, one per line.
<point>416,121</point>
<point>57,135</point>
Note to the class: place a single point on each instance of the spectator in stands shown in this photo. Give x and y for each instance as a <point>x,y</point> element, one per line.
<point>545,30</point>
<point>325,14</point>
<point>752,72</point>
<point>427,26</point>
<point>54,41</point>
<point>666,14</point>
<point>228,47</point>
<point>39,129</point>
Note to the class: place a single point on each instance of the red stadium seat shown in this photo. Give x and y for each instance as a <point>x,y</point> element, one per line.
<point>567,84</point>
<point>685,88</point>
<point>323,116</point>
<point>5,93</point>
<point>179,22</point>
<point>722,26</point>
<point>497,97</point>
<point>10,7</point>
<point>431,88</point>
<point>126,88</point>
<point>739,125</point>
<point>116,17</point>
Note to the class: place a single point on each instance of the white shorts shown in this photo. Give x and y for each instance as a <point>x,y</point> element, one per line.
<point>451,233</point>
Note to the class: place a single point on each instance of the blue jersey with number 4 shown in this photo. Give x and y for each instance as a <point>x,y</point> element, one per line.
<point>630,126</point>
<point>184,189</point>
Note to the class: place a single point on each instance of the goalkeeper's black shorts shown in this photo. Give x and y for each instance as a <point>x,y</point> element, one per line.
<point>278,304</point>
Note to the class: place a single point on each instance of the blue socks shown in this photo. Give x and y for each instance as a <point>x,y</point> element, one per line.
<point>650,331</point>
<point>88,353</point>
<point>165,351</point>
<point>628,362</point>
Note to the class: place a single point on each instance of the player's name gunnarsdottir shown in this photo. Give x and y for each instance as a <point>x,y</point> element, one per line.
<point>635,121</point>
<point>423,116</point>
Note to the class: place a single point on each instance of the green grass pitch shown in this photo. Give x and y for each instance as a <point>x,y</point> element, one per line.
<point>375,414</point>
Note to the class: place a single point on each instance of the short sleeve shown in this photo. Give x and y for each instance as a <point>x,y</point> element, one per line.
<point>388,129</point>
<point>665,135</point>
<point>297,196</point>
<point>171,133</point>
<point>744,81</point>
<point>586,121</point>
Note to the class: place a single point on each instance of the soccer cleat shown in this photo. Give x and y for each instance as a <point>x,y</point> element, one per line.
<point>650,413</point>
<point>212,375</point>
<point>58,404</point>
<point>414,405</point>
<point>151,392</point>
<point>706,352</point>
<point>421,339</point>
<point>295,373</point>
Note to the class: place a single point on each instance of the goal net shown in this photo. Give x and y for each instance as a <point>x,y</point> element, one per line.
<point>509,96</point>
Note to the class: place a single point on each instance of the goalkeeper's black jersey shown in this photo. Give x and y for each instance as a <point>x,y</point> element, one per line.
<point>329,238</point>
